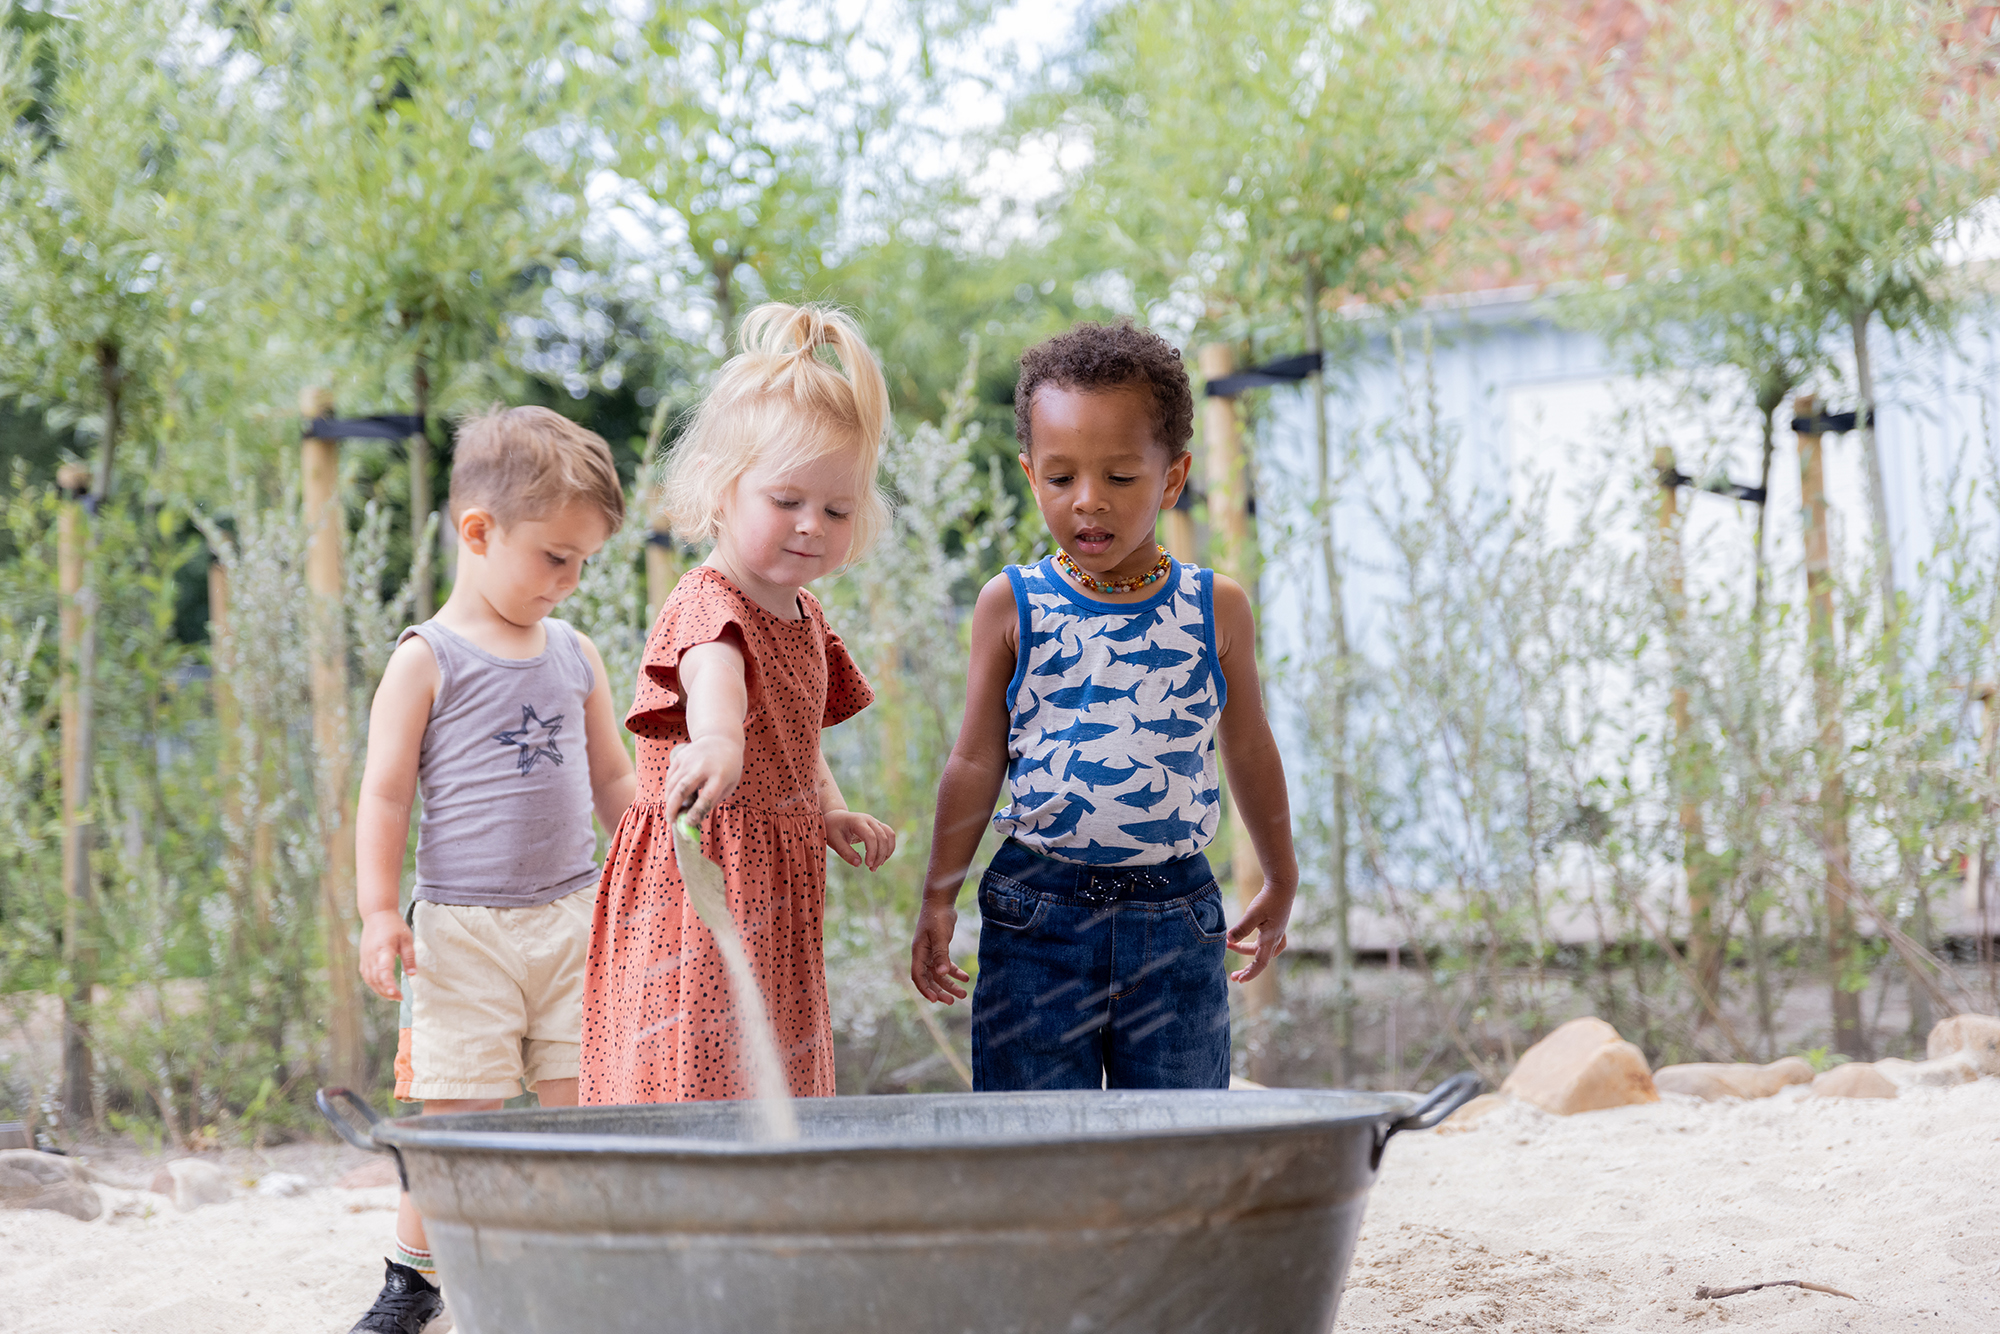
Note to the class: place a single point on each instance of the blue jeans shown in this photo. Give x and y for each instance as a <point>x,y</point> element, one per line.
<point>1099,976</point>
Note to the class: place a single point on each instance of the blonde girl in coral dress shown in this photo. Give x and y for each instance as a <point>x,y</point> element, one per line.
<point>741,674</point>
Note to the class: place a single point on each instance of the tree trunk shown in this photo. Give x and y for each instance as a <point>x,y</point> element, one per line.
<point>1343,944</point>
<point>1908,842</point>
<point>420,493</point>
<point>79,918</point>
<point>1878,498</point>
<point>1229,537</point>
<point>1753,907</point>
<point>1847,1036</point>
<point>1704,950</point>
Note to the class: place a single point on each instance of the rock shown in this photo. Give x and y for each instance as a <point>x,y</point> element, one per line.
<point>1469,1116</point>
<point>195,1183</point>
<point>380,1172</point>
<point>1712,1080</point>
<point>1941,1073</point>
<point>163,1182</point>
<point>1856,1079</point>
<point>1584,1066</point>
<point>283,1183</point>
<point>1975,1035</point>
<point>33,1180</point>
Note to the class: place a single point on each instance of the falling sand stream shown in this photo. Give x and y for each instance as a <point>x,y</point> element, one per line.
<point>772,1100</point>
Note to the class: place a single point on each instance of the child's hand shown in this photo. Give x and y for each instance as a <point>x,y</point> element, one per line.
<point>931,968</point>
<point>384,938</point>
<point>700,776</point>
<point>846,828</point>
<point>1266,916</point>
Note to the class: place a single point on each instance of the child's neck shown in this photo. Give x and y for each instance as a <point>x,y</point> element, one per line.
<point>468,614</point>
<point>781,600</point>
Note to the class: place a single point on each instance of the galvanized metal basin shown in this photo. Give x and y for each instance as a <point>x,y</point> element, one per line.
<point>1137,1212</point>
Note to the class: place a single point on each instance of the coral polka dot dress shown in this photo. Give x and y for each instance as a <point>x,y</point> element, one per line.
<point>659,1024</point>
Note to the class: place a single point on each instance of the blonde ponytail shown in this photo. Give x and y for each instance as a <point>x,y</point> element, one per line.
<point>778,401</point>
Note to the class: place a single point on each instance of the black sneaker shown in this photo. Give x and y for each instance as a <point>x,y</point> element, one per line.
<point>408,1301</point>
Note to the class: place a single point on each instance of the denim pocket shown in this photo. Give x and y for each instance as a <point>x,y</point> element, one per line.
<point>1205,914</point>
<point>1008,903</point>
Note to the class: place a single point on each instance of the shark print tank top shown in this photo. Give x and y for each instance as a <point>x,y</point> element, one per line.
<point>1112,713</point>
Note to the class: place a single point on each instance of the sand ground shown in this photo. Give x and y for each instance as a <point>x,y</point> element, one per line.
<point>1528,1222</point>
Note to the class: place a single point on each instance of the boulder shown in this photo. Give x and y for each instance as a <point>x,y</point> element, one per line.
<point>1941,1073</point>
<point>193,1183</point>
<point>1584,1066</point>
<point>1712,1080</point>
<point>33,1180</point>
<point>1976,1036</point>
<point>1856,1079</point>
<point>1469,1116</point>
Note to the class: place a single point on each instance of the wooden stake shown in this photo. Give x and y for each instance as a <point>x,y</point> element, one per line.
<point>421,582</point>
<point>78,956</point>
<point>325,522</point>
<point>1231,554</point>
<point>1704,954</point>
<point>1826,700</point>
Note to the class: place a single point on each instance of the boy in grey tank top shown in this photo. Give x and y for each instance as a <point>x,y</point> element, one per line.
<point>501,717</point>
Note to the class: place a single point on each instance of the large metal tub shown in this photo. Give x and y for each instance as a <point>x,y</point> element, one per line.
<point>1142,1212</point>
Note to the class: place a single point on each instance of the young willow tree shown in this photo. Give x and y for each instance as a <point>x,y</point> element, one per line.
<point>1833,148</point>
<point>93,306</point>
<point>1801,168</point>
<point>435,157</point>
<point>1310,148</point>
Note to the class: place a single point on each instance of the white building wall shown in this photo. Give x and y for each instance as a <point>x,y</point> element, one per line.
<point>1537,404</point>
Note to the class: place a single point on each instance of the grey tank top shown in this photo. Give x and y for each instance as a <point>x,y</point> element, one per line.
<point>503,774</point>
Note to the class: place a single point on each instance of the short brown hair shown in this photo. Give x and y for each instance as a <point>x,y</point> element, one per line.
<point>1110,356</point>
<point>527,463</point>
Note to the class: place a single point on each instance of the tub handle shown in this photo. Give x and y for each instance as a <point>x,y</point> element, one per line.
<point>363,1136</point>
<point>1439,1103</point>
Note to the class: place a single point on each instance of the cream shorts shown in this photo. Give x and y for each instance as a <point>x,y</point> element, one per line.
<point>497,1001</point>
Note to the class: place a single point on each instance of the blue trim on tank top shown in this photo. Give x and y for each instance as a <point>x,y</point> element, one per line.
<point>1205,581</point>
<point>1021,645</point>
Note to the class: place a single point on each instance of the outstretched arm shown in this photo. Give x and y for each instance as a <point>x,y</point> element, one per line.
<point>702,773</point>
<point>967,791</point>
<point>1256,773</point>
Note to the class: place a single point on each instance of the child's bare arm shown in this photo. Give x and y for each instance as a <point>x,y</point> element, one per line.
<point>612,782</point>
<point>396,724</point>
<point>968,790</point>
<point>845,828</point>
<point>705,771</point>
<point>1256,774</point>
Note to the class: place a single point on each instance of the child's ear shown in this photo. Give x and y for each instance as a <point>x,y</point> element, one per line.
<point>1177,475</point>
<point>1027,463</point>
<point>475,525</point>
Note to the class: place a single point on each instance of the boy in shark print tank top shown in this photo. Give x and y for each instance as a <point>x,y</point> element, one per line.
<point>1105,682</point>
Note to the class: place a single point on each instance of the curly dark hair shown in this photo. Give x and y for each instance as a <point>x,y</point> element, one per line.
<point>1110,356</point>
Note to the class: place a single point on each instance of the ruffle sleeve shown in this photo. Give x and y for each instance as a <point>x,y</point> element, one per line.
<point>847,690</point>
<point>695,613</point>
